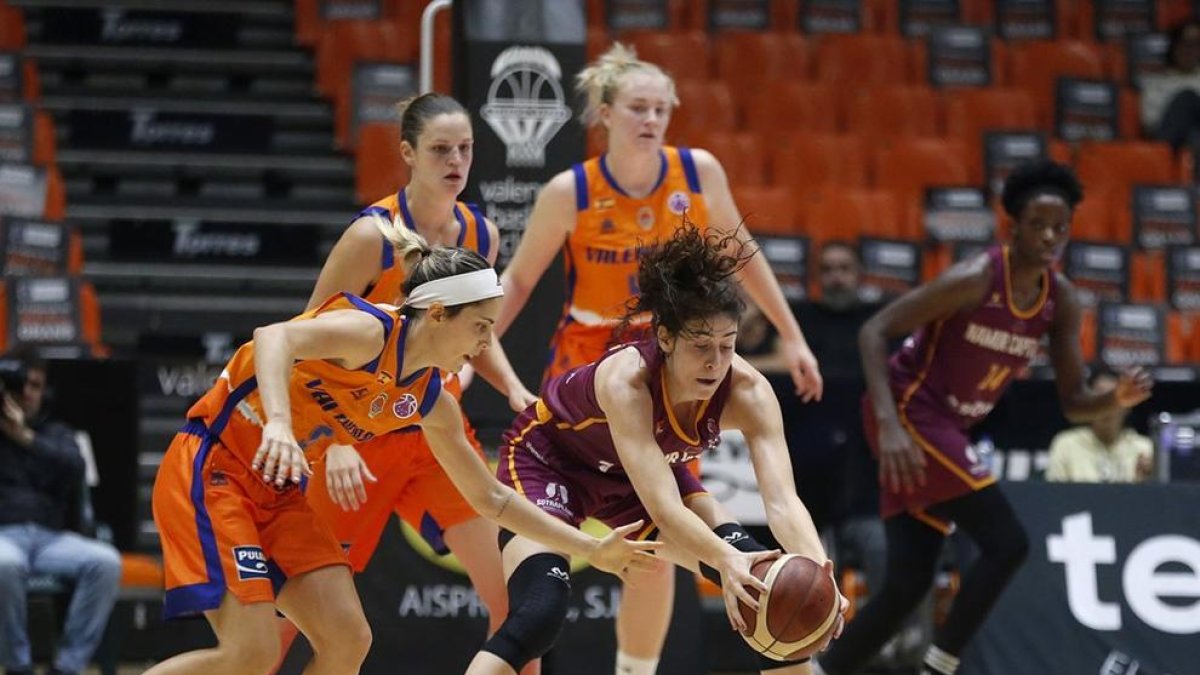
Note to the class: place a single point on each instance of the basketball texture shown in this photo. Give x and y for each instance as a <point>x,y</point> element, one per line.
<point>799,610</point>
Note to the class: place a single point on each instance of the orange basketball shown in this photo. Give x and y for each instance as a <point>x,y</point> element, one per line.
<point>799,610</point>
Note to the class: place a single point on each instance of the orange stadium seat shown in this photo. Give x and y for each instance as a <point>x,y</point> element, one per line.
<point>85,304</point>
<point>910,165</point>
<point>894,110</point>
<point>750,62</point>
<point>378,168</point>
<point>346,42</point>
<point>1122,164</point>
<point>12,28</point>
<point>597,14</point>
<point>767,210</point>
<point>1147,276</point>
<point>847,213</point>
<point>44,143</point>
<point>56,195</point>
<point>1095,217</point>
<point>807,161</point>
<point>1087,334</point>
<point>742,155</point>
<point>682,55</point>
<point>1036,66</point>
<point>793,106</point>
<point>865,59</point>
<point>1171,12</point>
<point>1129,121</point>
<point>704,106</point>
<point>971,112</point>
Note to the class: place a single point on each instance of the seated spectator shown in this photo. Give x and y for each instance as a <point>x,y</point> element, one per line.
<point>1171,99</point>
<point>41,474</point>
<point>1105,451</point>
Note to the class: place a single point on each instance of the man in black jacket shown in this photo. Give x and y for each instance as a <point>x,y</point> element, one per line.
<point>41,472</point>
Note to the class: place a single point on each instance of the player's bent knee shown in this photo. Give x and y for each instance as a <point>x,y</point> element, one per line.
<point>250,656</point>
<point>539,592</point>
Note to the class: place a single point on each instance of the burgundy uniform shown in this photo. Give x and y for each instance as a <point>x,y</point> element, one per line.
<point>559,453</point>
<point>949,375</point>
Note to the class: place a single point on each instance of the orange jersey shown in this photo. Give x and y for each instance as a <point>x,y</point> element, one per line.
<point>329,404</point>
<point>472,234</point>
<point>612,231</point>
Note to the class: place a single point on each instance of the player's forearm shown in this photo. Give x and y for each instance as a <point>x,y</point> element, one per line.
<point>1086,405</point>
<point>516,294</point>
<point>273,359</point>
<point>760,284</point>
<point>793,528</point>
<point>872,348</point>
<point>517,514</point>
<point>688,531</point>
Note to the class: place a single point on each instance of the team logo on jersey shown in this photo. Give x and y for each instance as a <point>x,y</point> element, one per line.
<point>377,405</point>
<point>605,203</point>
<point>360,393</point>
<point>607,227</point>
<point>251,563</point>
<point>405,406</point>
<point>525,103</point>
<point>678,202</point>
<point>645,217</point>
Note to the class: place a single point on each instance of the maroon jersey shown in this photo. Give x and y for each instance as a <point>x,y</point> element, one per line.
<point>958,367</point>
<point>568,423</point>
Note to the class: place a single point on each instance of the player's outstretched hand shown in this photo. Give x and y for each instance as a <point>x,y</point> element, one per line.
<point>345,472</point>
<point>1133,387</point>
<point>843,605</point>
<point>617,555</point>
<point>806,375</point>
<point>736,577</point>
<point>279,456</point>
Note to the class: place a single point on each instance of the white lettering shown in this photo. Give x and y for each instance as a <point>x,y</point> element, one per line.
<point>191,242</point>
<point>118,29</point>
<point>1079,552</point>
<point>1145,586</point>
<point>148,130</point>
<point>441,601</point>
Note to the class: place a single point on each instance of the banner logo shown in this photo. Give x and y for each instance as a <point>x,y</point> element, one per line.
<point>525,103</point>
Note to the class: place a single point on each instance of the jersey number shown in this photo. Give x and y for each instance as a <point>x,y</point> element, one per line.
<point>996,376</point>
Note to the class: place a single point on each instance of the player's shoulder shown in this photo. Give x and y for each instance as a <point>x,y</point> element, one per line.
<point>622,370</point>
<point>746,380</point>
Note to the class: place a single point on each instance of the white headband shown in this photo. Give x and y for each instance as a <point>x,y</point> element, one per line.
<point>456,290</point>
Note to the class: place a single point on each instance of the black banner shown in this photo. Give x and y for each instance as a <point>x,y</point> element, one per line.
<point>1026,19</point>
<point>185,240</point>
<point>43,310</point>
<point>831,16</point>
<point>1109,586</point>
<point>22,190</point>
<point>919,17</point>
<point>958,214</point>
<point>1119,19</point>
<point>1163,215</point>
<point>29,247</point>
<point>788,257</point>
<point>1086,110</point>
<point>1183,277</point>
<point>1130,335</point>
<point>889,267</point>
<point>964,250</point>
<point>152,129</point>
<point>1145,54</point>
<point>1004,151</point>
<point>378,87</point>
<point>12,78</point>
<point>739,15</point>
<point>141,28</point>
<point>622,15</point>
<point>1099,272</point>
<point>16,133</point>
<point>959,56</point>
<point>351,9</point>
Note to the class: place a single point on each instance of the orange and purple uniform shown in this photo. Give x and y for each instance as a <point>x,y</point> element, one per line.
<point>612,231</point>
<point>410,481</point>
<point>222,527</point>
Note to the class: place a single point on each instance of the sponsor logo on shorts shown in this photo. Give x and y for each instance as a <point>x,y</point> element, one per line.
<point>405,406</point>
<point>377,405</point>
<point>556,500</point>
<point>251,562</point>
<point>559,574</point>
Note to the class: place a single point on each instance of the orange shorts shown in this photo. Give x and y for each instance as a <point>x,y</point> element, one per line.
<point>411,483</point>
<point>575,344</point>
<point>223,529</point>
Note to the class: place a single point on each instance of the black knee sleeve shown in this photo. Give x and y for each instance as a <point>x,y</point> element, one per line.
<point>538,594</point>
<point>736,536</point>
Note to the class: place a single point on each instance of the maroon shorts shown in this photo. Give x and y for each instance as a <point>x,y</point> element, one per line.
<point>572,491</point>
<point>952,468</point>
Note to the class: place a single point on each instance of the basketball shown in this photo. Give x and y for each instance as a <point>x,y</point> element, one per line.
<point>799,610</point>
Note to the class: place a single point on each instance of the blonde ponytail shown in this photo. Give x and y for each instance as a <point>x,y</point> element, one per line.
<point>411,248</point>
<point>600,80</point>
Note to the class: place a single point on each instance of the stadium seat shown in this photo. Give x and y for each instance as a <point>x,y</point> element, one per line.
<point>767,210</point>
<point>704,106</point>
<point>793,106</point>
<point>1147,276</point>
<point>971,112</point>
<point>345,42</point>
<point>742,155</point>
<point>894,110</point>
<point>1087,334</point>
<point>808,161</point>
<point>1129,122</point>
<point>44,142</point>
<point>1122,164</point>
<point>597,14</point>
<point>847,213</point>
<point>84,303</point>
<point>1036,66</point>
<point>865,59</point>
<point>750,62</point>
<point>911,165</point>
<point>12,28</point>
<point>682,55</point>
<point>1095,217</point>
<point>378,169</point>
<point>56,195</point>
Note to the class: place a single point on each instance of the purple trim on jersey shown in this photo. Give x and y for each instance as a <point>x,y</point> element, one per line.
<point>662,174</point>
<point>384,318</point>
<point>462,226</point>
<point>689,169</point>
<point>483,238</point>
<point>581,187</point>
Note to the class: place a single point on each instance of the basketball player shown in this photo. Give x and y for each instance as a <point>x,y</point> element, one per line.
<point>612,439</point>
<point>604,213</point>
<point>972,329</point>
<point>436,139</point>
<point>227,499</point>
